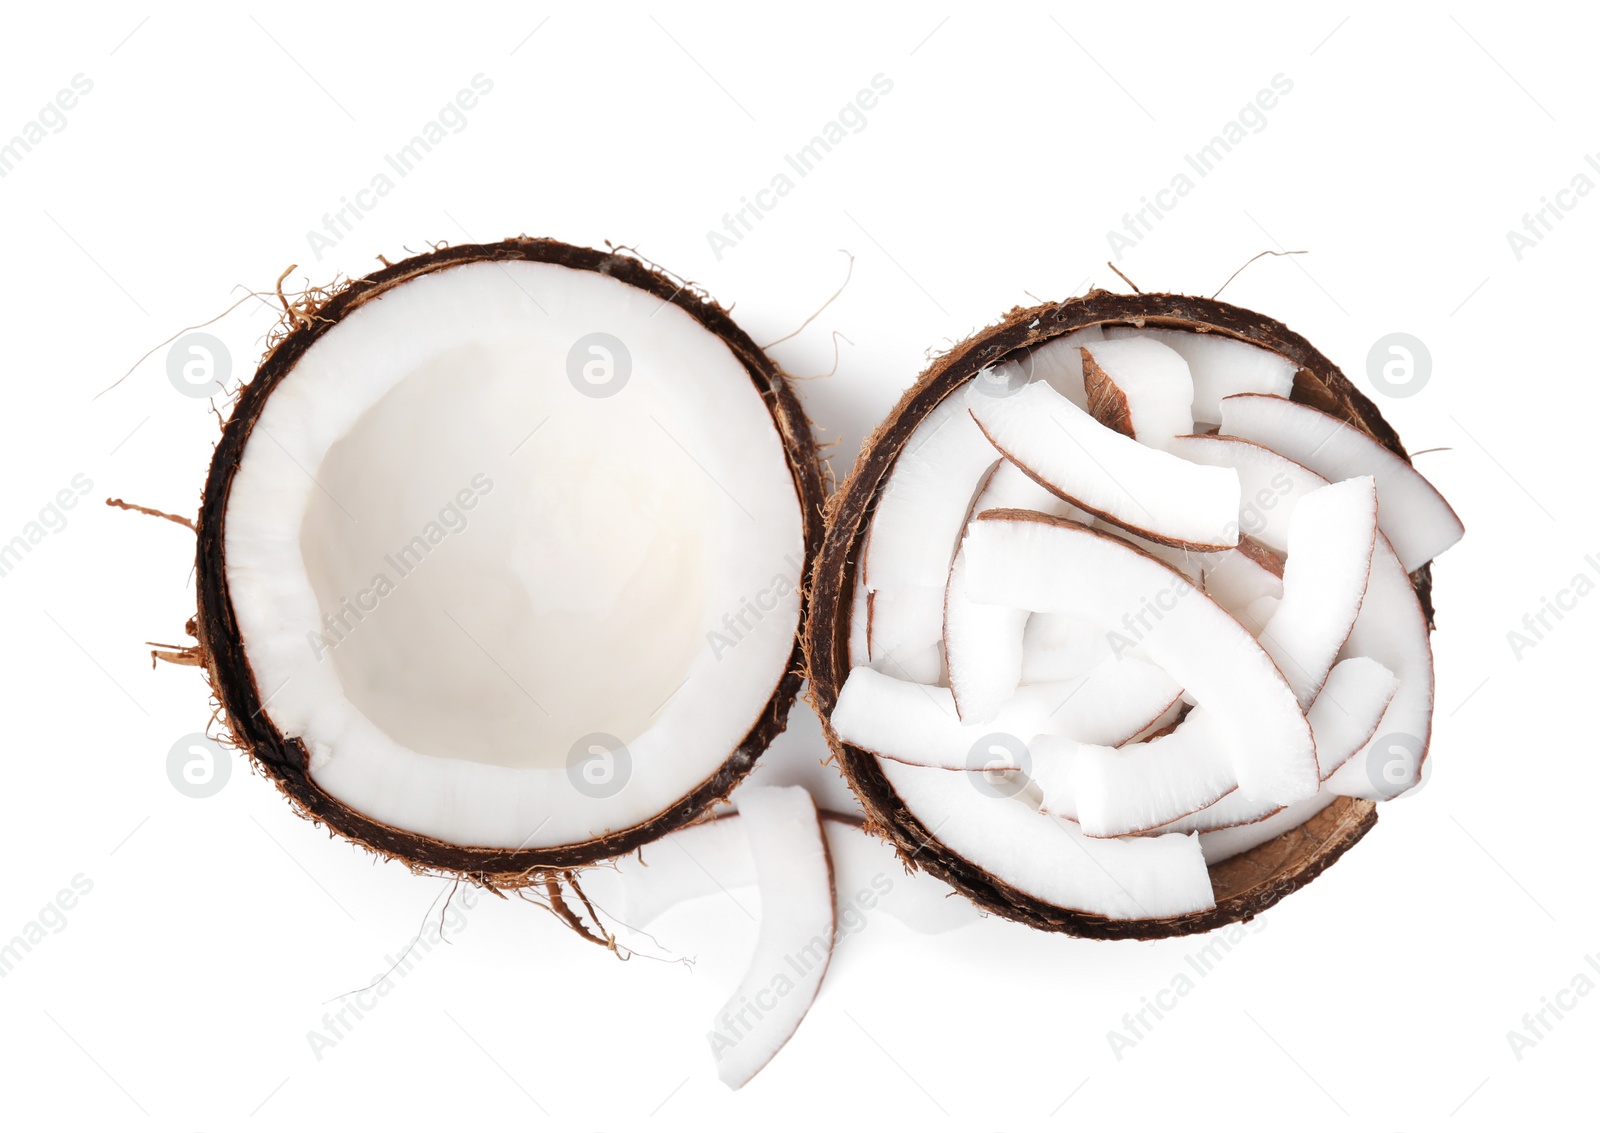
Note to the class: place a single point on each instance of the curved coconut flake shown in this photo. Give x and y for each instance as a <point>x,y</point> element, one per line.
<point>916,723</point>
<point>1050,859</point>
<point>983,648</point>
<point>923,504</point>
<point>1140,388</point>
<point>1032,561</point>
<point>795,940</point>
<point>1392,631</point>
<point>983,644</point>
<point>1411,512</point>
<point>1330,557</point>
<point>1145,490</point>
<point>1059,647</point>
<point>1059,364</point>
<point>1111,703</point>
<point>1139,786</point>
<point>1220,845</point>
<point>1345,716</point>
<point>713,858</point>
<point>1218,365</point>
<point>1269,484</point>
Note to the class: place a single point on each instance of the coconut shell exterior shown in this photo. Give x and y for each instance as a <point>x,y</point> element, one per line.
<point>285,760</point>
<point>1244,885</point>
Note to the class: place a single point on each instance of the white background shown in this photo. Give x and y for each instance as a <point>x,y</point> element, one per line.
<point>181,989</point>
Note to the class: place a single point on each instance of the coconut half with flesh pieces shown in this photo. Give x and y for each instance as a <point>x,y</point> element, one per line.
<point>1011,839</point>
<point>500,559</point>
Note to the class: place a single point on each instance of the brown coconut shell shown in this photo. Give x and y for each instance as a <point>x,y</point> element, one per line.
<point>285,760</point>
<point>1244,885</point>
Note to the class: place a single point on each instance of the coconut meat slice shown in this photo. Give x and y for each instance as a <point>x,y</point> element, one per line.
<point>1140,388</point>
<point>1049,858</point>
<point>923,504</point>
<point>1145,490</point>
<point>983,649</point>
<point>1324,580</point>
<point>1137,787</point>
<point>795,940</point>
<point>713,859</point>
<point>1392,631</point>
<point>1219,366</point>
<point>461,576</point>
<point>1411,512</point>
<point>1346,714</point>
<point>983,644</point>
<point>1043,564</point>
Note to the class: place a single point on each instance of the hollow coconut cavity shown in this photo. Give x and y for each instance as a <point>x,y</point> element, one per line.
<point>500,558</point>
<point>1120,625</point>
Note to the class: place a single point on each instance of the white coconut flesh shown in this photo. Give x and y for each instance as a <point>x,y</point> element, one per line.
<point>713,861</point>
<point>1411,512</point>
<point>991,636</point>
<point>1063,568</point>
<point>917,723</point>
<point>1324,581</point>
<point>1151,381</point>
<point>1104,472</point>
<point>455,572</point>
<point>1219,366</point>
<point>795,940</point>
<point>1265,660</point>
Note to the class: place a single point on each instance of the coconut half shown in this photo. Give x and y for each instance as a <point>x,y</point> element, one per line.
<point>500,558</point>
<point>1193,542</point>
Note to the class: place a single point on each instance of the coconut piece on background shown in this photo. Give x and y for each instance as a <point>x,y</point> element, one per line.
<point>924,503</point>
<point>1050,858</point>
<point>795,940</point>
<point>1392,631</point>
<point>1330,557</point>
<point>1114,791</point>
<point>1219,366</point>
<point>1411,513</point>
<point>1139,388</point>
<point>1145,490</point>
<point>1022,559</point>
